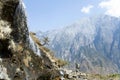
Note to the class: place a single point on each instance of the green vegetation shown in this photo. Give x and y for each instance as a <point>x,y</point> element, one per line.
<point>114,76</point>
<point>104,77</point>
<point>46,41</point>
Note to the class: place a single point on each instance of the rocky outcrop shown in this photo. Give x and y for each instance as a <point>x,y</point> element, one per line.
<point>21,56</point>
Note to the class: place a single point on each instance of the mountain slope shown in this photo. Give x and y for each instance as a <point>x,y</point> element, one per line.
<point>93,42</point>
<point>21,55</point>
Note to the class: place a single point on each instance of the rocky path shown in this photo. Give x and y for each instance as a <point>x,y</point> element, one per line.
<point>72,75</point>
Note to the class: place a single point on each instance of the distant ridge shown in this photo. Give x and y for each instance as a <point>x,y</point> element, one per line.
<point>92,42</point>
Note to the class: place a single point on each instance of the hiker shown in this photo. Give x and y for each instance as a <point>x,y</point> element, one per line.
<point>77,66</point>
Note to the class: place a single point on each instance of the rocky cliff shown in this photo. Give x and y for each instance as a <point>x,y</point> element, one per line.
<point>22,57</point>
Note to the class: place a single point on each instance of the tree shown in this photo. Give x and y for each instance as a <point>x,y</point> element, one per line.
<point>45,41</point>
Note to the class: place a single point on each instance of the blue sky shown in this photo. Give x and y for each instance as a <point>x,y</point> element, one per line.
<point>46,15</point>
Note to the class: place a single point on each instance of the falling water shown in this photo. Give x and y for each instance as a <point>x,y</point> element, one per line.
<point>34,47</point>
<point>21,28</point>
<point>20,25</point>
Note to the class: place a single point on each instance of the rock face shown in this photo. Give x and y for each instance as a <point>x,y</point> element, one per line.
<point>21,55</point>
<point>12,16</point>
<point>94,43</point>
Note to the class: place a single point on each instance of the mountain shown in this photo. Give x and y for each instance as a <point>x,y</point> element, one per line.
<point>24,57</point>
<point>92,42</point>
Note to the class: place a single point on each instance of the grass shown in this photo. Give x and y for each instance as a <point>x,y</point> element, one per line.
<point>104,77</point>
<point>61,63</point>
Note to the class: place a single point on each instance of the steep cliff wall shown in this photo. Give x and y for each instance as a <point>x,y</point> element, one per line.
<point>21,57</point>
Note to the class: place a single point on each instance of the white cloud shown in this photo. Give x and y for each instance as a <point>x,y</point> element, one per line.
<point>87,9</point>
<point>112,7</point>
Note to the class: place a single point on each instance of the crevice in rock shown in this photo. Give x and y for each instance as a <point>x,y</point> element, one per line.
<point>4,51</point>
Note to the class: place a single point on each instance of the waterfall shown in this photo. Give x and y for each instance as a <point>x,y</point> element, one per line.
<point>34,47</point>
<point>21,21</point>
<point>20,25</point>
<point>21,7</point>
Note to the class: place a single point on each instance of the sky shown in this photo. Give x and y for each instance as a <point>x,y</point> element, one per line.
<point>46,15</point>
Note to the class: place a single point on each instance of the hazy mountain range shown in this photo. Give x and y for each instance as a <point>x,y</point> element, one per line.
<point>92,42</point>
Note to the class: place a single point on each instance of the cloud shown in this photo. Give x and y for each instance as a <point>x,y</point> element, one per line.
<point>112,7</point>
<point>87,9</point>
